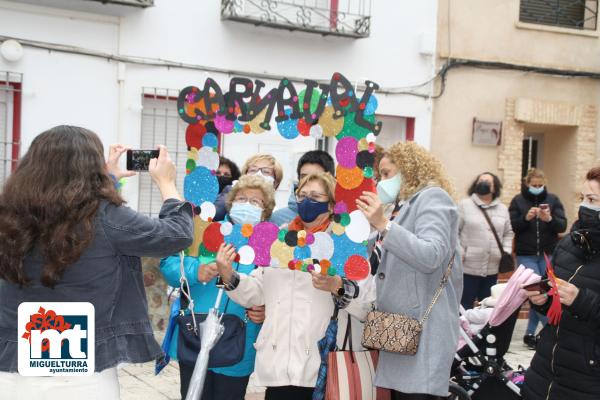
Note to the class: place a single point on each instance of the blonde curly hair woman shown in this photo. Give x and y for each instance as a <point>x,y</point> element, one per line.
<point>416,248</point>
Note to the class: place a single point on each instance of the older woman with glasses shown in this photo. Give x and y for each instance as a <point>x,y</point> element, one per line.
<point>298,304</point>
<point>262,165</point>
<point>250,201</point>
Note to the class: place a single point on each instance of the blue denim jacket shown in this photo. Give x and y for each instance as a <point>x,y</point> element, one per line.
<point>109,275</point>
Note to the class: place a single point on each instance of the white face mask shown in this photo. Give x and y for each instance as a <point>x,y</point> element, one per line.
<point>589,206</point>
<point>268,178</point>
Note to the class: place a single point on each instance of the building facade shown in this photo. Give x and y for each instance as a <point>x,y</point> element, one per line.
<point>530,67</point>
<point>116,67</point>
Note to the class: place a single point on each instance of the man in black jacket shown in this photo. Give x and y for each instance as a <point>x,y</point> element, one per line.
<point>537,218</point>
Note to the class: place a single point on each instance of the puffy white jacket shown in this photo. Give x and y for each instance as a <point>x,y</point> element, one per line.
<point>480,253</point>
<point>296,318</point>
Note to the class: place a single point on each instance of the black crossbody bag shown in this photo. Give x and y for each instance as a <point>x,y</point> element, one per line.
<point>507,263</point>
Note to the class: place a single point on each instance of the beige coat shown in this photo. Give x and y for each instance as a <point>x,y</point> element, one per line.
<point>480,253</point>
<point>297,316</point>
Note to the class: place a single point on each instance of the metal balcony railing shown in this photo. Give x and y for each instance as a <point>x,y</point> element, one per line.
<point>351,18</point>
<point>134,3</point>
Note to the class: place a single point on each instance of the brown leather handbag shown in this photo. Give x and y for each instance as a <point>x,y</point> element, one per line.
<point>399,333</point>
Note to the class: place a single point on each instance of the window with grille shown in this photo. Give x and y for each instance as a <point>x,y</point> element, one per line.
<point>10,122</point>
<point>161,125</point>
<point>577,14</point>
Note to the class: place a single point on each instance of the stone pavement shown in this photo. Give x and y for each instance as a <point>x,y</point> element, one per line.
<point>138,381</point>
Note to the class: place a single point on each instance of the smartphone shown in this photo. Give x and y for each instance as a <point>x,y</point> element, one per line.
<point>138,160</point>
<point>540,286</point>
<point>544,207</point>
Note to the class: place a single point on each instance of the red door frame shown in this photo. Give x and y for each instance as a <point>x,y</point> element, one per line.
<point>410,129</point>
<point>16,121</point>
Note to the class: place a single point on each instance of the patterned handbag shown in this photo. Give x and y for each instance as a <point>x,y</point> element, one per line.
<point>399,333</point>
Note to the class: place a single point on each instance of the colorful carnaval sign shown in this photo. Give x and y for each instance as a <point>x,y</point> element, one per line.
<point>318,110</point>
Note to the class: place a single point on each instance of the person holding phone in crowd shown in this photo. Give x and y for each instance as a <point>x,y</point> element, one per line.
<point>66,236</point>
<point>566,363</point>
<point>537,218</point>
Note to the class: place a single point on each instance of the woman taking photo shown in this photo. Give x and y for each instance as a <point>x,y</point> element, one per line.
<point>418,245</point>
<point>566,364</point>
<point>250,201</point>
<point>537,218</point>
<point>480,251</point>
<point>298,304</point>
<point>65,235</point>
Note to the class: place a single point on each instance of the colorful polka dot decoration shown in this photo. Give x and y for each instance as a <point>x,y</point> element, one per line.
<point>319,110</point>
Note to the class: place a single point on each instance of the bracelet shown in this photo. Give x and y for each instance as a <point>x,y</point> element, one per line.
<point>233,282</point>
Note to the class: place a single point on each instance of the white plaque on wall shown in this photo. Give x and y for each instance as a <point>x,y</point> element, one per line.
<point>486,133</point>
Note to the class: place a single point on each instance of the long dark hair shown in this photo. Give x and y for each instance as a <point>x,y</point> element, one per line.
<point>497,185</point>
<point>50,202</point>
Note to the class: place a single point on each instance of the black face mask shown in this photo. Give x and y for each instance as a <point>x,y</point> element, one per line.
<point>588,218</point>
<point>483,188</point>
<point>224,181</point>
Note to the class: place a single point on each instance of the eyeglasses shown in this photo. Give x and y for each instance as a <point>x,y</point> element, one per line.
<point>312,196</point>
<point>264,170</point>
<point>224,174</point>
<point>253,200</point>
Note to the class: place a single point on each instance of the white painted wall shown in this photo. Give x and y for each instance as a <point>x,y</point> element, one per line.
<point>75,89</point>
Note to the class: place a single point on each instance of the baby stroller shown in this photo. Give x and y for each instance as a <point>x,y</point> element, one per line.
<point>479,366</point>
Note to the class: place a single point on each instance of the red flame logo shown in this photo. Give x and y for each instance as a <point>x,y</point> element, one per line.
<point>45,320</point>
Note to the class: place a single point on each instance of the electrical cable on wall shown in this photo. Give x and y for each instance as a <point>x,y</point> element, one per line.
<point>450,63</point>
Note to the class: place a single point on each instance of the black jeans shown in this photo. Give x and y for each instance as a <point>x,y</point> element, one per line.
<point>476,287</point>
<point>216,386</point>
<point>289,393</point>
<point>413,396</point>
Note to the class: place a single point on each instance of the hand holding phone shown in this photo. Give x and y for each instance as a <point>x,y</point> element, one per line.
<point>544,207</point>
<point>541,286</point>
<point>138,160</point>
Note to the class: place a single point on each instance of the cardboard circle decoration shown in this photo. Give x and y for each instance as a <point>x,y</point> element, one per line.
<point>319,110</point>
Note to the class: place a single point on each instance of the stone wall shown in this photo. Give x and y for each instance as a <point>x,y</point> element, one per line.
<point>156,293</point>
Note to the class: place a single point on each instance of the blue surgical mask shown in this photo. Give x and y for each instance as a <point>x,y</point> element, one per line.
<point>536,191</point>
<point>245,213</point>
<point>309,210</point>
<point>388,189</point>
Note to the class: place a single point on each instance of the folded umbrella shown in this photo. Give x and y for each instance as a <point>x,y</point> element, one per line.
<point>211,330</point>
<point>164,360</point>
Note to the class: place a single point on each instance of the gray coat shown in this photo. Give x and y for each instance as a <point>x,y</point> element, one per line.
<point>416,253</point>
